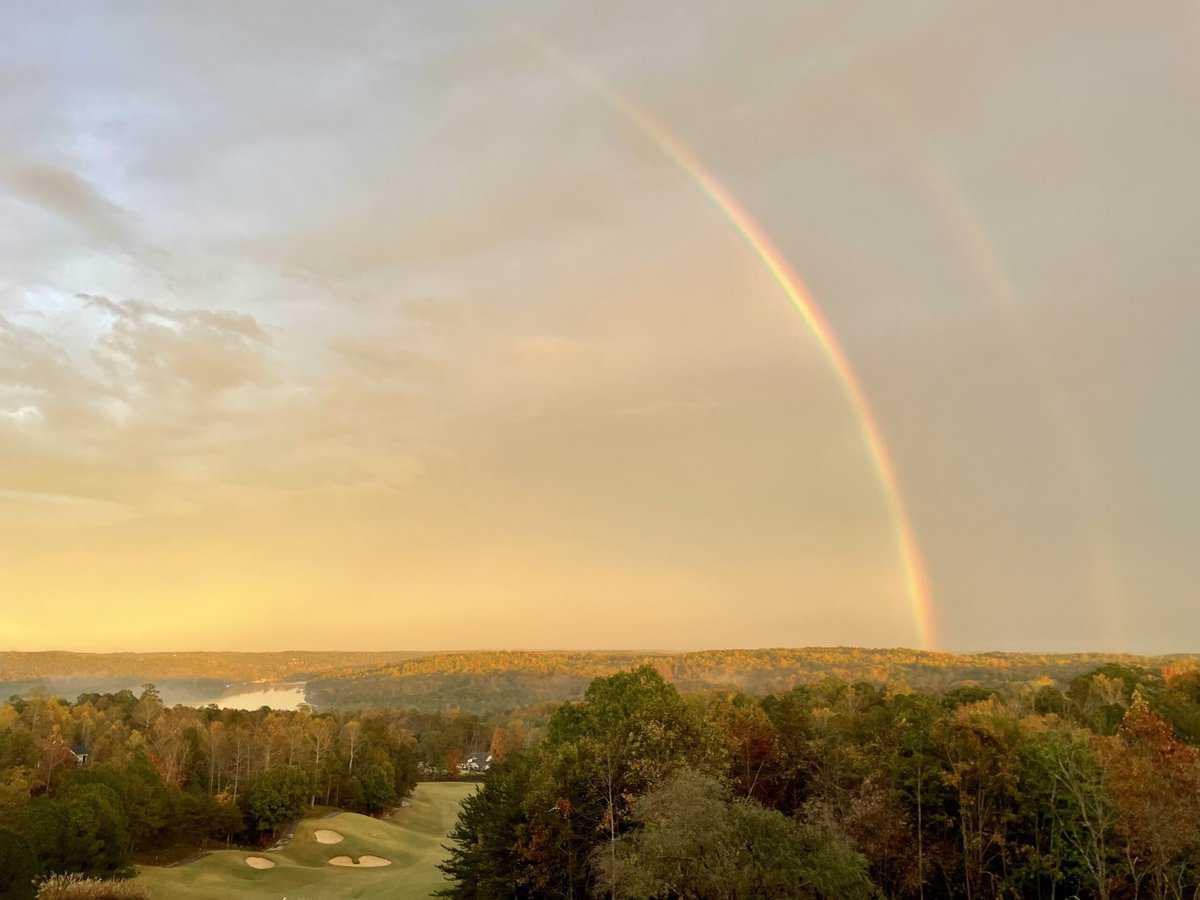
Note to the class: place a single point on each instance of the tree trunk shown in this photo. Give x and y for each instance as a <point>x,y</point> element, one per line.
<point>612,825</point>
<point>920,836</point>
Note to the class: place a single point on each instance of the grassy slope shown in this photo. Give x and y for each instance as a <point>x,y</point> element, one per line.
<point>412,839</point>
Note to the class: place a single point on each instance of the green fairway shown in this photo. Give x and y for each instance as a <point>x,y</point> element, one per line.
<point>412,839</point>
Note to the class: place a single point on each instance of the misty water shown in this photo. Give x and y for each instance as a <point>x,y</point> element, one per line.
<point>253,696</point>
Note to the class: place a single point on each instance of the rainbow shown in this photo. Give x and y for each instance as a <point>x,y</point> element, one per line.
<point>916,582</point>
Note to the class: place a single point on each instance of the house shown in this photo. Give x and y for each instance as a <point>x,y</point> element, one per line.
<point>80,755</point>
<point>474,763</point>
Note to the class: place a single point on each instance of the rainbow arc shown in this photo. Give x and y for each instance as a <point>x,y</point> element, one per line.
<point>793,287</point>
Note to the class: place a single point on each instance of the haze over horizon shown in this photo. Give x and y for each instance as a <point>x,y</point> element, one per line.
<point>381,328</point>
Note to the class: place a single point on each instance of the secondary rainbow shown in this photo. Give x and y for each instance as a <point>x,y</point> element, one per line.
<point>793,287</point>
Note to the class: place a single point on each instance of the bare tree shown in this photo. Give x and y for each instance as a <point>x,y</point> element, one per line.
<point>350,732</point>
<point>1077,772</point>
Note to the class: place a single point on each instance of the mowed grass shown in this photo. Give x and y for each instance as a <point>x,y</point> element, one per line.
<point>412,839</point>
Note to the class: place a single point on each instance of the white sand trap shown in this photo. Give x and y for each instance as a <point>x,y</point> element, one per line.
<point>259,862</point>
<point>364,862</point>
<point>325,836</point>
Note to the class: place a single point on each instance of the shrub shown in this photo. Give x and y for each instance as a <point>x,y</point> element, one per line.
<point>79,887</point>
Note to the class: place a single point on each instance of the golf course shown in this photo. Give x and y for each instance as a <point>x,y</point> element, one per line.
<point>344,855</point>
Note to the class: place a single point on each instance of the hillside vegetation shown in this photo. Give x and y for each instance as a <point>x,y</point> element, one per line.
<point>285,665</point>
<point>1021,780</point>
<point>486,682</point>
<point>839,791</point>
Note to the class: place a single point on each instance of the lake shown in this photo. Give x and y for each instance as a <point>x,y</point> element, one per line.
<point>252,696</point>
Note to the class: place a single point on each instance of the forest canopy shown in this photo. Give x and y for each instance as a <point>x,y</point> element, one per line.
<point>848,790</point>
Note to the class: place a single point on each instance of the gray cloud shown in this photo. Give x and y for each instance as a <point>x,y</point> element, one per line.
<point>68,196</point>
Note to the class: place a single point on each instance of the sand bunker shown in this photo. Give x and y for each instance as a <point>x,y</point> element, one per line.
<point>259,862</point>
<point>325,836</point>
<point>364,862</point>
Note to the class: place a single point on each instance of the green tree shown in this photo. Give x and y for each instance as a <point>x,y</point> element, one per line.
<point>18,866</point>
<point>1077,803</point>
<point>483,863</point>
<point>631,730</point>
<point>696,843</point>
<point>378,779</point>
<point>98,830</point>
<point>84,831</point>
<point>277,797</point>
<point>202,818</point>
<point>148,803</point>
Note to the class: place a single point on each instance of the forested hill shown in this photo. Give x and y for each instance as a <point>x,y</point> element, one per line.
<point>489,681</point>
<point>282,666</point>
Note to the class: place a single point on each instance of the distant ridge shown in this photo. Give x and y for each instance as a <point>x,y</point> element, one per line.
<point>486,681</point>
<point>489,681</point>
<point>230,666</point>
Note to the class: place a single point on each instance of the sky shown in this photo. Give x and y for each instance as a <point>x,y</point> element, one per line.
<point>366,326</point>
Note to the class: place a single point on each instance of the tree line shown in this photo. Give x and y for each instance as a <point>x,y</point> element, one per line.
<point>848,790</point>
<point>492,681</point>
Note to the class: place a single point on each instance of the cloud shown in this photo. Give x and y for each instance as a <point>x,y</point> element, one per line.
<point>602,382</point>
<point>34,367</point>
<point>70,198</point>
<point>386,360</point>
<point>164,351</point>
<point>22,417</point>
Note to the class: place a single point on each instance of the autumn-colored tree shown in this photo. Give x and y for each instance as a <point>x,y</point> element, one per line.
<point>499,747</point>
<point>1155,782</point>
<point>320,732</point>
<point>979,746</point>
<point>168,746</point>
<point>54,752</point>
<point>748,737</point>
<point>875,819</point>
<point>149,707</point>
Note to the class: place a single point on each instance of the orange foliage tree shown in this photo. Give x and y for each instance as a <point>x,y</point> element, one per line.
<point>1154,779</point>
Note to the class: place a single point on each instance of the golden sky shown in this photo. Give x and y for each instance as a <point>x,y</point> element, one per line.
<point>375,328</point>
